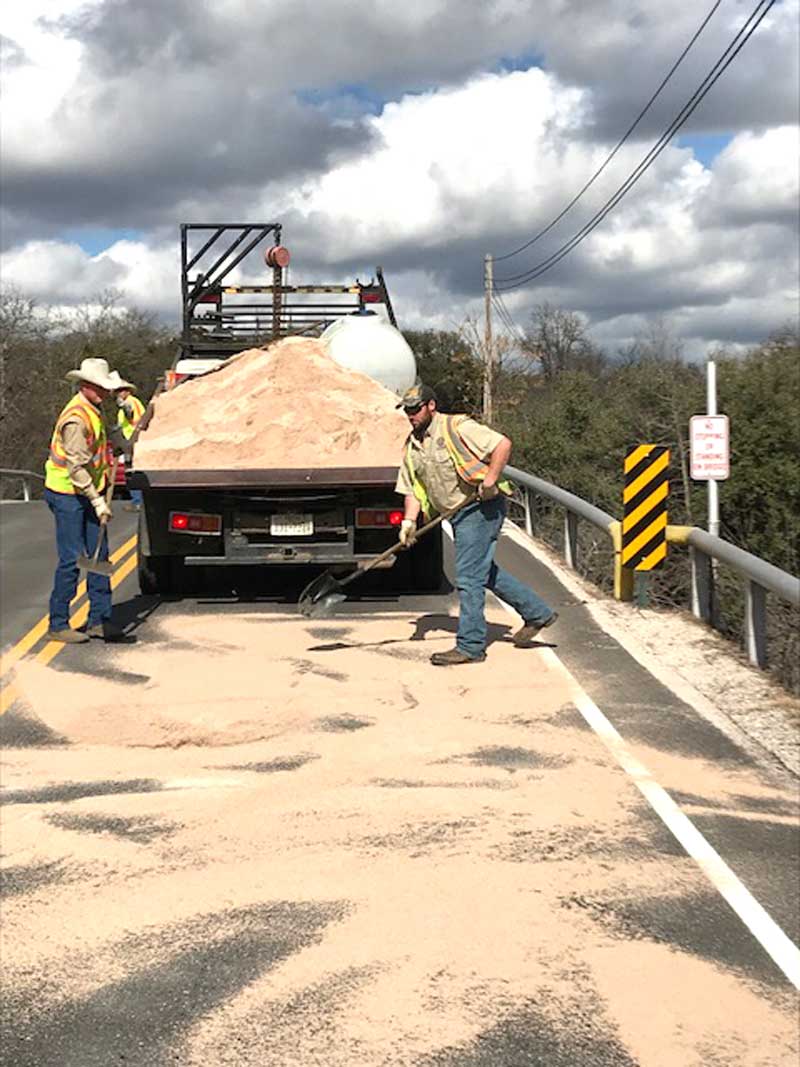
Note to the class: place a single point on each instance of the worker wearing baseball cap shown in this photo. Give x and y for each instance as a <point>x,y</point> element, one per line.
<point>448,458</point>
<point>76,474</point>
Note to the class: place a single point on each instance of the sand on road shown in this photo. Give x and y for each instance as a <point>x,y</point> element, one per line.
<point>295,842</point>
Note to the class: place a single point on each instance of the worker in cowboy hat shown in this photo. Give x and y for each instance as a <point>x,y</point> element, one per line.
<point>76,476</point>
<point>130,412</point>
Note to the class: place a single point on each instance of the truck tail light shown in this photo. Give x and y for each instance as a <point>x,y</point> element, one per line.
<point>193,523</point>
<point>378,518</point>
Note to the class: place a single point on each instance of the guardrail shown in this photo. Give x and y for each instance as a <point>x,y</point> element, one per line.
<point>760,577</point>
<point>25,476</point>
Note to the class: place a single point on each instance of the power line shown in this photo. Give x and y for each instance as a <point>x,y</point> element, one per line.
<point>743,35</point>
<point>507,318</point>
<point>619,144</point>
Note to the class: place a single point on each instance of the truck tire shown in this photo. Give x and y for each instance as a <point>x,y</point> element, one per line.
<point>427,563</point>
<point>155,574</point>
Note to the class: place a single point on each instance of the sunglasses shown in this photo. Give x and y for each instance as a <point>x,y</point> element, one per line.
<point>415,410</point>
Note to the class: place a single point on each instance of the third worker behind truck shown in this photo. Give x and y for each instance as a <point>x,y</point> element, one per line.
<point>447,458</point>
<point>129,413</point>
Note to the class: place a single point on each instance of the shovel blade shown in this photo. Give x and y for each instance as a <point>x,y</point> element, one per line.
<point>320,609</point>
<point>96,566</point>
<point>320,596</point>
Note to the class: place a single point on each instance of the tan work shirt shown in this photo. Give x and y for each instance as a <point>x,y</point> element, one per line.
<point>78,455</point>
<point>434,466</point>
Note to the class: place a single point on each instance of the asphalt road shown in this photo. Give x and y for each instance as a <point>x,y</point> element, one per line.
<point>28,556</point>
<point>244,838</point>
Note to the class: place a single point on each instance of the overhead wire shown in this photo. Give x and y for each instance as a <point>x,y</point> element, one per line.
<point>619,143</point>
<point>507,318</point>
<point>514,281</point>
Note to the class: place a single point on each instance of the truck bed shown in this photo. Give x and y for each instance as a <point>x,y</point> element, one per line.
<point>263,477</point>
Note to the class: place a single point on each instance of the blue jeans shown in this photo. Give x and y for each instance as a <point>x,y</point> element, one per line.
<point>77,530</point>
<point>475,530</point>
<point>136,496</point>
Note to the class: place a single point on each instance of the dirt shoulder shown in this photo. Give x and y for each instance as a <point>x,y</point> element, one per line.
<point>695,662</point>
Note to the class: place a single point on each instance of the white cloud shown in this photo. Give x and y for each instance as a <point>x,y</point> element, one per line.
<point>158,112</point>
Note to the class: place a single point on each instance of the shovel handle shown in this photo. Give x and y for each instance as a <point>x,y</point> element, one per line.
<point>109,493</point>
<point>398,547</point>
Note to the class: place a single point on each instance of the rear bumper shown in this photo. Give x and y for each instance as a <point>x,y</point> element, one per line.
<point>321,554</point>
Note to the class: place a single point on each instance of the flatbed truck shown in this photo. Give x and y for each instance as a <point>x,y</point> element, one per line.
<point>334,517</point>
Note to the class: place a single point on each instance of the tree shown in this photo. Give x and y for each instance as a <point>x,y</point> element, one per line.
<point>40,346</point>
<point>559,342</point>
<point>447,362</point>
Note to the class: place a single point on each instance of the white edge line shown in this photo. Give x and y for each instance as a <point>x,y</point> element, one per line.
<point>778,946</point>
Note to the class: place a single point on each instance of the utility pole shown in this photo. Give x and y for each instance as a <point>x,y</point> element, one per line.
<point>488,367</point>
<point>711,409</point>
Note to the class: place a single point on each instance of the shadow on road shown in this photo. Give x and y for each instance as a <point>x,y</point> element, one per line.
<point>424,625</point>
<point>131,614</point>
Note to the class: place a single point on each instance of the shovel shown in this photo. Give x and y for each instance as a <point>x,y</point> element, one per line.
<point>95,565</point>
<point>322,595</point>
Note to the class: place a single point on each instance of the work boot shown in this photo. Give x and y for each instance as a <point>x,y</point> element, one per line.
<point>527,632</point>
<point>67,636</point>
<point>130,506</point>
<point>454,657</point>
<point>106,631</point>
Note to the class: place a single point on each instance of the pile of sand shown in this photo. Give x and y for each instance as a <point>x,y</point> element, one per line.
<point>289,405</point>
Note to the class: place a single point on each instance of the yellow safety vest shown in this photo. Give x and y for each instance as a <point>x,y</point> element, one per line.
<point>125,424</point>
<point>56,473</point>
<point>469,467</point>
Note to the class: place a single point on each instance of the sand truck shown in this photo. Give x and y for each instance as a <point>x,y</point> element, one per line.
<point>273,516</point>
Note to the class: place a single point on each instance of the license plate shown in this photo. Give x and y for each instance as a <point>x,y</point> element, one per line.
<point>291,525</point>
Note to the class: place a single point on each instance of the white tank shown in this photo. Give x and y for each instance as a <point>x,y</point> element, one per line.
<point>369,344</point>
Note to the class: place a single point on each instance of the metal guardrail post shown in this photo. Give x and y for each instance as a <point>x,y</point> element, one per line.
<point>27,478</point>
<point>571,539</point>
<point>755,623</point>
<point>623,576</point>
<point>702,584</point>
<point>528,505</point>
<point>705,550</point>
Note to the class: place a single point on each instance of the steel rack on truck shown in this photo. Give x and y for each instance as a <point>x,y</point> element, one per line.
<point>191,520</point>
<point>221,318</point>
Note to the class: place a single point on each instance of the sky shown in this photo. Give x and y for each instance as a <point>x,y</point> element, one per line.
<point>419,136</point>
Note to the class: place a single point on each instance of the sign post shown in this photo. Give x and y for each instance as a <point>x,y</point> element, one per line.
<point>709,449</point>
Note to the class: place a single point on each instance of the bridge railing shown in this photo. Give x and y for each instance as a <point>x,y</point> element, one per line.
<point>28,478</point>
<point>759,576</point>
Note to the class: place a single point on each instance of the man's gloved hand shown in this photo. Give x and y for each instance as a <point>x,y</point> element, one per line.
<point>408,533</point>
<point>102,510</point>
<point>487,492</point>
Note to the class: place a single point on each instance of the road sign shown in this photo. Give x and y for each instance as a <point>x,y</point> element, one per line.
<point>709,447</point>
<point>644,517</point>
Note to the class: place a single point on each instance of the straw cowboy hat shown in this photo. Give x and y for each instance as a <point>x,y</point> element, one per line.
<point>94,371</point>
<point>120,383</point>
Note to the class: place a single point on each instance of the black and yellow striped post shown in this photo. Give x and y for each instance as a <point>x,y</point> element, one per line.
<point>644,514</point>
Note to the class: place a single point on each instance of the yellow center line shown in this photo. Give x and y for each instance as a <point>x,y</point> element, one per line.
<point>52,648</point>
<point>37,632</point>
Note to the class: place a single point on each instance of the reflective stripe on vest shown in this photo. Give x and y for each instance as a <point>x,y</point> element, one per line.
<point>56,473</point>
<point>416,484</point>
<point>470,467</point>
<point>125,424</point>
